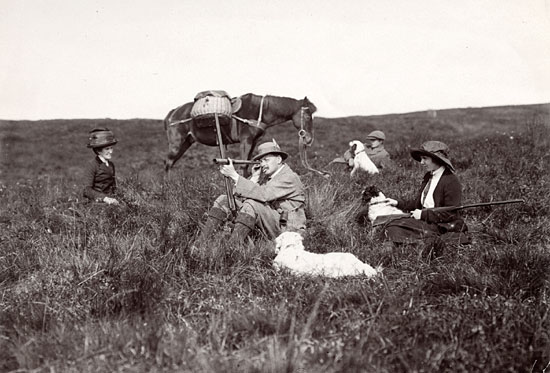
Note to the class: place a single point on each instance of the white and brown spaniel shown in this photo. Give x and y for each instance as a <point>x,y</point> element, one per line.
<point>361,160</point>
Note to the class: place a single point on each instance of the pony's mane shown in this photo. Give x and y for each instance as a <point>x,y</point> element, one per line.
<point>280,104</point>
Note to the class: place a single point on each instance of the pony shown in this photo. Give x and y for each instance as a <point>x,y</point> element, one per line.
<point>255,115</point>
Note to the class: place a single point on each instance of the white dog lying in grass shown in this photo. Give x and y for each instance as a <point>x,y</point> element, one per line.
<point>292,256</point>
<point>361,160</point>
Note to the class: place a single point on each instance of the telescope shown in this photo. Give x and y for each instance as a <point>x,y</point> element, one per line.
<point>224,161</point>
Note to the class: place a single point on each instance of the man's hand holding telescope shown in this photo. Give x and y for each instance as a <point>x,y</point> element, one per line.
<point>228,170</point>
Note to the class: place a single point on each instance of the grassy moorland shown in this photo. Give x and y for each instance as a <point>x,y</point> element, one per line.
<point>87,289</point>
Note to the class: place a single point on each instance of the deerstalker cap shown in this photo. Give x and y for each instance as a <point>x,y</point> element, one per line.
<point>376,135</point>
<point>434,149</point>
<point>269,148</point>
<point>101,137</point>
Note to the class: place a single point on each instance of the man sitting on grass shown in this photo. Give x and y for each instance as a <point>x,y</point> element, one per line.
<point>272,200</point>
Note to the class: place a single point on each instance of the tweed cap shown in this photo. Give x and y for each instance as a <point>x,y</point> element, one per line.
<point>101,137</point>
<point>376,135</point>
<point>269,148</point>
<point>434,149</point>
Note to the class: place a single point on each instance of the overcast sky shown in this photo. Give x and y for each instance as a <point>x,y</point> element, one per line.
<point>139,59</point>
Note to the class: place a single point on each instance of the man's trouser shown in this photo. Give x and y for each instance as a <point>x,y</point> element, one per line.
<point>266,219</point>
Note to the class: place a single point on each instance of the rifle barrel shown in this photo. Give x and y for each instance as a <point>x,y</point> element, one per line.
<point>382,219</point>
<point>480,204</point>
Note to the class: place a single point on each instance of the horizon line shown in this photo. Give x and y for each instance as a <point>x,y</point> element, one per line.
<point>323,117</point>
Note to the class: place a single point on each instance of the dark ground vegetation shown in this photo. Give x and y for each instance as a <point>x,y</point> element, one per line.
<point>88,289</point>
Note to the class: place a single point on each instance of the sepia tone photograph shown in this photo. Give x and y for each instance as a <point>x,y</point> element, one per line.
<point>274,186</point>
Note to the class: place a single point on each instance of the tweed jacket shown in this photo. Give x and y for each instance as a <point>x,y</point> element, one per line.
<point>99,180</point>
<point>380,157</point>
<point>448,192</point>
<point>283,192</point>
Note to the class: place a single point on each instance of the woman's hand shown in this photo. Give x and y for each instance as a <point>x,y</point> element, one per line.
<point>392,202</point>
<point>229,171</point>
<point>416,214</point>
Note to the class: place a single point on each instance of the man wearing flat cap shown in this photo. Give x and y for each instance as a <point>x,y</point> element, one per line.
<point>272,200</point>
<point>374,148</point>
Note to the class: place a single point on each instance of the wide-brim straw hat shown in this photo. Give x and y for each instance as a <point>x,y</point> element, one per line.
<point>376,135</point>
<point>100,138</point>
<point>269,148</point>
<point>434,149</point>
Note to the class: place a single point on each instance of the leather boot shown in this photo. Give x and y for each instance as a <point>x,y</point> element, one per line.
<point>216,217</point>
<point>244,224</point>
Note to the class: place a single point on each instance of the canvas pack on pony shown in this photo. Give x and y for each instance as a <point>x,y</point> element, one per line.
<point>209,103</point>
<point>206,106</point>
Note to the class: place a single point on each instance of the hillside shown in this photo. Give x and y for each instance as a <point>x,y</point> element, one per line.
<point>60,144</point>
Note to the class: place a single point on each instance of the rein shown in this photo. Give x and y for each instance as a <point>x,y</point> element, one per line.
<point>302,146</point>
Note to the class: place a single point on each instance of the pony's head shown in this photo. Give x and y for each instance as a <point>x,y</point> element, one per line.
<point>303,121</point>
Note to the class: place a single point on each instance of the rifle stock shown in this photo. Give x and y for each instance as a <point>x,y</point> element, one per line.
<point>384,219</point>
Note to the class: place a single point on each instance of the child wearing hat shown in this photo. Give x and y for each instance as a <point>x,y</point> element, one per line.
<point>440,188</point>
<point>376,151</point>
<point>99,175</point>
<point>272,200</point>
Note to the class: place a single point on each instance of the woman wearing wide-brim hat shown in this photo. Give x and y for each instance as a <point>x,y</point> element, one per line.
<point>99,175</point>
<point>440,188</point>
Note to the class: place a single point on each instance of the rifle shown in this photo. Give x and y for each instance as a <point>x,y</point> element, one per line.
<point>224,161</point>
<point>384,219</point>
<point>228,187</point>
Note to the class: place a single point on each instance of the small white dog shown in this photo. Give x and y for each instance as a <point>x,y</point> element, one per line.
<point>378,204</point>
<point>361,160</point>
<point>291,255</point>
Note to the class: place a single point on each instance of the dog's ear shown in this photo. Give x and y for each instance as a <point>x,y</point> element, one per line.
<point>353,147</point>
<point>369,192</point>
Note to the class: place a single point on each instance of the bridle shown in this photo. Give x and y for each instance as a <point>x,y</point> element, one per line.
<point>302,132</point>
<point>302,146</point>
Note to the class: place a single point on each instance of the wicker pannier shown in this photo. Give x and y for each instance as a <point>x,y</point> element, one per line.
<point>211,102</point>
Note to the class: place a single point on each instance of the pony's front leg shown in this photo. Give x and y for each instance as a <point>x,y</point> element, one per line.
<point>178,143</point>
<point>246,147</point>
